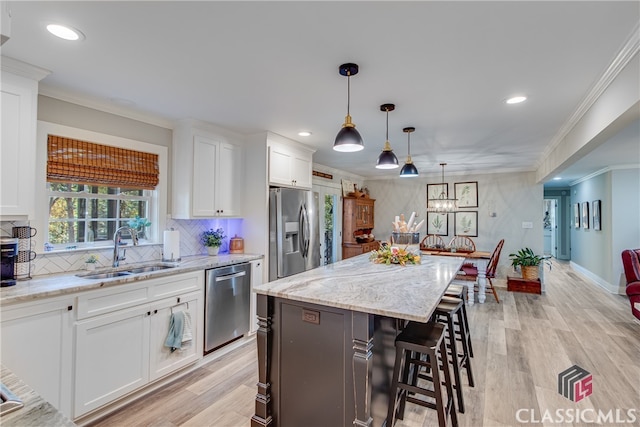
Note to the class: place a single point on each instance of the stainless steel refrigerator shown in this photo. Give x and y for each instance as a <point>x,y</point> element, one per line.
<point>294,232</point>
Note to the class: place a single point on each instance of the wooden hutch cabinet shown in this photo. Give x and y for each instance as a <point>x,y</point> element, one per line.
<point>357,220</point>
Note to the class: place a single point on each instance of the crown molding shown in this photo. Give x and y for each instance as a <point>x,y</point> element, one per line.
<point>106,107</point>
<point>630,48</point>
<point>603,170</point>
<point>23,69</point>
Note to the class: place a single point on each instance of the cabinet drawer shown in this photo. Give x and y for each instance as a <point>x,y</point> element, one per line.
<point>178,284</point>
<point>112,299</point>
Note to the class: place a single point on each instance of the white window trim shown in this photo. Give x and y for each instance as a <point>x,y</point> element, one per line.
<point>41,221</point>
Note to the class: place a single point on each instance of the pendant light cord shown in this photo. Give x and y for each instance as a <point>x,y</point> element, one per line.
<point>387,123</point>
<point>348,92</point>
<point>409,144</point>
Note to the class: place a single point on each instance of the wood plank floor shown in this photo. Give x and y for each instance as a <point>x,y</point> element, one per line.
<point>520,347</point>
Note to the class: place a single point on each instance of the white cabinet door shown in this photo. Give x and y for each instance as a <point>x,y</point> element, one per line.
<point>289,165</point>
<point>17,146</point>
<point>302,169</point>
<point>162,360</point>
<point>208,175</point>
<point>205,161</point>
<point>36,344</point>
<point>279,165</point>
<point>229,181</point>
<point>256,279</point>
<point>112,357</point>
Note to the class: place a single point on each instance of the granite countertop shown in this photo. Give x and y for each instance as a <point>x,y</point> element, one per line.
<point>36,411</point>
<point>360,285</point>
<point>53,285</point>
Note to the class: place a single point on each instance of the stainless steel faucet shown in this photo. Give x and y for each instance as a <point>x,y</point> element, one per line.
<point>116,244</point>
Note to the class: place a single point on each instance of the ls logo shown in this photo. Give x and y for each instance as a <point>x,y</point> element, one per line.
<point>575,383</point>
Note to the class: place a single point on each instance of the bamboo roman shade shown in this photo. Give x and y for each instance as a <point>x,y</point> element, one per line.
<point>71,160</point>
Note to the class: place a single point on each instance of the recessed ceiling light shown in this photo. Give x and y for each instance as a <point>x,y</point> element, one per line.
<point>304,133</point>
<point>516,100</point>
<point>64,32</point>
<point>557,178</point>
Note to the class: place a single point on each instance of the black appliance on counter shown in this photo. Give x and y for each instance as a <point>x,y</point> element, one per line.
<point>9,252</point>
<point>227,295</point>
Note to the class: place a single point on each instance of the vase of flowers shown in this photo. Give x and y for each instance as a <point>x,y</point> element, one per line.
<point>394,255</point>
<point>212,240</point>
<point>139,225</point>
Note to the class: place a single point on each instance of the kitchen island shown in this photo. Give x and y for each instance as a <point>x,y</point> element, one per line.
<point>326,338</point>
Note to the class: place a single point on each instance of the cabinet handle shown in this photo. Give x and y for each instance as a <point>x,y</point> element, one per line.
<point>69,308</point>
<point>155,311</point>
<point>178,301</point>
<point>148,313</point>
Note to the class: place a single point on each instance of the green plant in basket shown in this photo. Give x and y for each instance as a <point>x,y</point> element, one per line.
<point>394,255</point>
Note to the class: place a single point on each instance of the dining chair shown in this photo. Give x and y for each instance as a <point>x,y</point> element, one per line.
<point>470,272</point>
<point>432,241</point>
<point>462,244</point>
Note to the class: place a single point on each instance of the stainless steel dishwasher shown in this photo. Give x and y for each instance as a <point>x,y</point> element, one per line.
<point>227,304</point>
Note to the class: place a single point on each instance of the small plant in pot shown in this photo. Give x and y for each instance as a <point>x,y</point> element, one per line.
<point>212,239</point>
<point>528,262</point>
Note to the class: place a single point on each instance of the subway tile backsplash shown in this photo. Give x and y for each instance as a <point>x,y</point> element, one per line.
<point>74,260</point>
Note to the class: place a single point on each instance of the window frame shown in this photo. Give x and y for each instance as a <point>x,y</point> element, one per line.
<point>146,197</point>
<point>158,201</point>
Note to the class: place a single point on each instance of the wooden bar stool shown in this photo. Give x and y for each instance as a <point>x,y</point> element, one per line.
<point>447,310</point>
<point>421,345</point>
<point>460,291</point>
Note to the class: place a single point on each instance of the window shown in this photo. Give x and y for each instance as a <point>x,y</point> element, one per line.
<point>82,214</point>
<point>93,189</point>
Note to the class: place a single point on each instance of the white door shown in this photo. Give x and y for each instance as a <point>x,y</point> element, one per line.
<point>330,222</point>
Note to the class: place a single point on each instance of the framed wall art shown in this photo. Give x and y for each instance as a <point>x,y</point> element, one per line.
<point>585,215</point>
<point>435,191</point>
<point>576,215</point>
<point>467,194</point>
<point>437,223</point>
<point>595,208</point>
<point>466,224</point>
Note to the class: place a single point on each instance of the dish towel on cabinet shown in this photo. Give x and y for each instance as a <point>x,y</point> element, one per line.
<point>186,330</point>
<point>176,330</point>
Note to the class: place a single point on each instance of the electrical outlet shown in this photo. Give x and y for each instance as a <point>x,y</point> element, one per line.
<point>527,224</point>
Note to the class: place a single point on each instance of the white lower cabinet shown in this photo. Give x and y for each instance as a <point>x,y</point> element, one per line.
<point>120,351</point>
<point>37,345</point>
<point>162,360</point>
<point>112,357</point>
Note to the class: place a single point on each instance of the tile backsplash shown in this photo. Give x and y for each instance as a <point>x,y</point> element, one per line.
<point>74,260</point>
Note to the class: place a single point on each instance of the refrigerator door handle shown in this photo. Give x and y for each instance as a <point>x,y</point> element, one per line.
<point>302,237</point>
<point>279,234</point>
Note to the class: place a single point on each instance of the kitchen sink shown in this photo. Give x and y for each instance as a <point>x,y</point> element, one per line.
<point>108,275</point>
<point>123,271</point>
<point>149,268</point>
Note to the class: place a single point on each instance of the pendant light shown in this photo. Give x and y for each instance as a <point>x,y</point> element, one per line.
<point>348,139</point>
<point>442,204</point>
<point>386,159</point>
<point>409,170</point>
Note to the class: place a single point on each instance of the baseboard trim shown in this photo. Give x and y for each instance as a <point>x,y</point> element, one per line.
<point>595,278</point>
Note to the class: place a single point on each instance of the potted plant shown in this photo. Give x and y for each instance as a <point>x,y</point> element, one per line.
<point>90,262</point>
<point>528,262</point>
<point>212,239</point>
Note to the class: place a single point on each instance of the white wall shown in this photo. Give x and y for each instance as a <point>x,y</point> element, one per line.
<point>625,217</point>
<point>515,197</point>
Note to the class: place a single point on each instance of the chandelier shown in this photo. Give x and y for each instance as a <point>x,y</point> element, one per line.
<point>442,204</point>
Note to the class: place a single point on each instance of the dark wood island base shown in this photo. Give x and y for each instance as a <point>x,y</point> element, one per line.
<point>321,365</point>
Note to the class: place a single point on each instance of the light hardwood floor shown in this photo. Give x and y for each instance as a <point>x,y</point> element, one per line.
<point>520,347</point>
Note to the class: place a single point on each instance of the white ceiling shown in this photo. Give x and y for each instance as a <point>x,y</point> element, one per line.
<point>255,66</point>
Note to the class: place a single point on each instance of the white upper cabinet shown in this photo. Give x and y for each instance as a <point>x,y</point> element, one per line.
<point>290,164</point>
<point>207,175</point>
<point>19,89</point>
